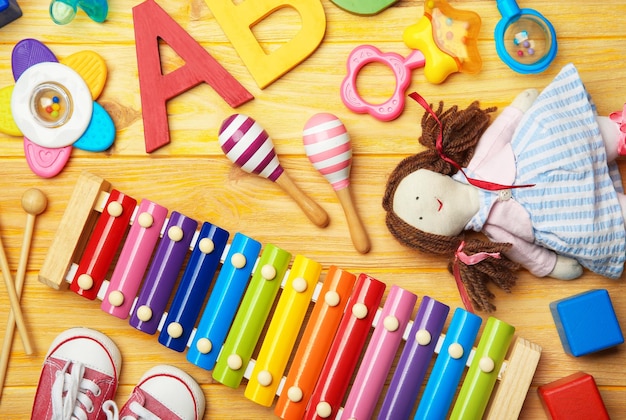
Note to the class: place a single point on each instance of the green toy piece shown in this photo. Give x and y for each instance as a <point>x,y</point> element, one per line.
<point>364,7</point>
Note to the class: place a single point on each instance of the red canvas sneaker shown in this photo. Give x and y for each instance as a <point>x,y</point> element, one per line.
<point>165,392</point>
<point>80,372</point>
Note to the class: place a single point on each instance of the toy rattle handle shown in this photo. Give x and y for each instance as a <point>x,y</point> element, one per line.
<point>312,210</point>
<point>508,8</point>
<point>360,238</point>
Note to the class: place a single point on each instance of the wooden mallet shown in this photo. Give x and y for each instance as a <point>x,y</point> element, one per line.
<point>15,302</point>
<point>34,202</point>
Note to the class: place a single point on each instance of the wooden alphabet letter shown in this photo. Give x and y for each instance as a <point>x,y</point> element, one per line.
<point>237,21</point>
<point>151,24</point>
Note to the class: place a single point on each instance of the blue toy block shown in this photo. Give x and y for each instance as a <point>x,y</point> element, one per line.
<point>586,322</point>
<point>9,11</point>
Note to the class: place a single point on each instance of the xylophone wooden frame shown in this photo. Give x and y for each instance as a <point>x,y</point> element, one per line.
<point>87,203</point>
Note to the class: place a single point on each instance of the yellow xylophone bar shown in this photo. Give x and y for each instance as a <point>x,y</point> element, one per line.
<point>283,330</point>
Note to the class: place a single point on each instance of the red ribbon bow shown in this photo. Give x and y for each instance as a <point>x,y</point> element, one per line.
<point>485,185</point>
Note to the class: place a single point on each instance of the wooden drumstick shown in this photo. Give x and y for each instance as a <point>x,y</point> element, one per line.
<point>15,302</point>
<point>33,202</point>
<point>249,146</point>
<point>327,144</point>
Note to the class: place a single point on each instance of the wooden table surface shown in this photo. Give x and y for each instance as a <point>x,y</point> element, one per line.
<point>191,174</point>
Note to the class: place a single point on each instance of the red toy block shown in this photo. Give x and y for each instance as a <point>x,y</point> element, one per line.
<point>574,397</point>
<point>151,24</point>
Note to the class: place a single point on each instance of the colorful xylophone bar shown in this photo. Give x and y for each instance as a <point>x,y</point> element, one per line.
<point>235,316</point>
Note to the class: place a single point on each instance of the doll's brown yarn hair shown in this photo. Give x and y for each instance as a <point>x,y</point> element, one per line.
<point>461,130</point>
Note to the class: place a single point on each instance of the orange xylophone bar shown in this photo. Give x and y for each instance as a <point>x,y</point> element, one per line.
<point>514,376</point>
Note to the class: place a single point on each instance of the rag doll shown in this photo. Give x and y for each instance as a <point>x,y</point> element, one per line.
<point>540,184</point>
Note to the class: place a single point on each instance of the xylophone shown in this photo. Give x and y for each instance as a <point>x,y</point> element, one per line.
<point>251,280</point>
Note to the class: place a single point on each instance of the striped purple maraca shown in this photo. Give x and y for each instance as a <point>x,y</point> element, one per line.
<point>249,146</point>
<point>327,145</point>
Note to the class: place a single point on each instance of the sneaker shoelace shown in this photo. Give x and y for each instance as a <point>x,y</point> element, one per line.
<point>70,388</point>
<point>139,412</point>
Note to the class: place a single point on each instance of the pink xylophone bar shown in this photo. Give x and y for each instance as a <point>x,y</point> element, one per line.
<point>333,339</point>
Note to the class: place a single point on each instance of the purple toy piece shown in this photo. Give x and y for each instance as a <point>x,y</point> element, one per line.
<point>248,146</point>
<point>414,360</point>
<point>27,53</point>
<point>163,273</point>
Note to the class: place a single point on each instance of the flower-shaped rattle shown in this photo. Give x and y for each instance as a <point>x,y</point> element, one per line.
<point>52,105</point>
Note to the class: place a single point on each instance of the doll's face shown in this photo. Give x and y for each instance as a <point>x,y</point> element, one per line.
<point>433,203</point>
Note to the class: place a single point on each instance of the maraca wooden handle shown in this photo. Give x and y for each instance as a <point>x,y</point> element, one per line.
<point>359,236</point>
<point>312,210</point>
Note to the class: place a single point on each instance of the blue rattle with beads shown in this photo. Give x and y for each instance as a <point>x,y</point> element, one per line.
<point>525,39</point>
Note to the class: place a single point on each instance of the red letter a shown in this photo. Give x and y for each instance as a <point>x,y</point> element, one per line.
<point>151,23</point>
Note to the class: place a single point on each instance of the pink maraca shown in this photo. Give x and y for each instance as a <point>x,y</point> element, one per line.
<point>327,144</point>
<point>248,146</point>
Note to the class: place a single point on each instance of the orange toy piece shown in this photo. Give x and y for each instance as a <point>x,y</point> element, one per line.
<point>447,38</point>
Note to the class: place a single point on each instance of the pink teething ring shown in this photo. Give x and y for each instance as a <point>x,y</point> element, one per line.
<point>401,67</point>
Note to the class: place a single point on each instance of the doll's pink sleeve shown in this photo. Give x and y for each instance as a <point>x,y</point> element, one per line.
<point>497,136</point>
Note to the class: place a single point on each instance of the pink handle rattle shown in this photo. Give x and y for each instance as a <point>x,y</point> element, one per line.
<point>401,67</point>
<point>327,145</point>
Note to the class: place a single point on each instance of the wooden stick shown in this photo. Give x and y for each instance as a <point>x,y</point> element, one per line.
<point>15,302</point>
<point>313,211</point>
<point>359,236</point>
<point>34,202</point>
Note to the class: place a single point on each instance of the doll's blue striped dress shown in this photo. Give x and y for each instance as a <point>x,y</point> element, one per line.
<point>573,204</point>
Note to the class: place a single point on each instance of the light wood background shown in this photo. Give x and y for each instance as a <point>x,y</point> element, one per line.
<point>191,175</point>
